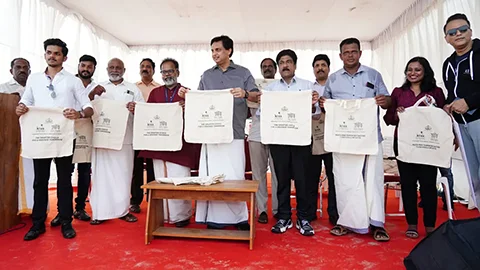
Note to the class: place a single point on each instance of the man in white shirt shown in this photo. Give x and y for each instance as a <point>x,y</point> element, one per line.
<point>53,88</point>
<point>146,85</point>
<point>20,69</point>
<point>321,69</point>
<point>260,153</point>
<point>291,162</point>
<point>111,169</point>
<point>86,69</point>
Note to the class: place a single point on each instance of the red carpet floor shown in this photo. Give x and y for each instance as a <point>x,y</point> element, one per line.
<point>120,245</point>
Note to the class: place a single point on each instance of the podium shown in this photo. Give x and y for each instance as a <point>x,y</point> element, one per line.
<point>9,161</point>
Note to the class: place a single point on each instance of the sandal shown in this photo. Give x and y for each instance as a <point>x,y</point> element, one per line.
<point>96,222</point>
<point>380,234</point>
<point>129,218</point>
<point>410,233</point>
<point>339,230</point>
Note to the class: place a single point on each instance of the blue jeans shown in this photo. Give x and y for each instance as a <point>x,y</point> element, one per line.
<point>471,142</point>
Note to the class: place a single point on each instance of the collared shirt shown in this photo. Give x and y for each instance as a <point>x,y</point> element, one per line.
<point>365,83</point>
<point>88,89</point>
<point>297,84</point>
<point>11,87</point>
<point>127,92</point>
<point>235,76</point>
<point>319,88</point>
<point>146,89</point>
<point>68,90</point>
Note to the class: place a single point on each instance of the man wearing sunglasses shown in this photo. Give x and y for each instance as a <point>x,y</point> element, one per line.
<point>54,88</point>
<point>461,76</point>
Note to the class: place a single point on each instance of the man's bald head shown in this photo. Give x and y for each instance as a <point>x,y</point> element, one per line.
<point>115,70</point>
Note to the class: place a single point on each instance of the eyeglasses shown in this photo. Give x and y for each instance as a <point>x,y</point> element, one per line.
<point>52,89</point>
<point>168,71</point>
<point>462,29</point>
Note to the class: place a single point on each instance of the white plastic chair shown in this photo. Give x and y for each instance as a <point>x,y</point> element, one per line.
<point>446,189</point>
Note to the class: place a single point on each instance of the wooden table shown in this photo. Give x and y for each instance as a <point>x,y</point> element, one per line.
<point>241,190</point>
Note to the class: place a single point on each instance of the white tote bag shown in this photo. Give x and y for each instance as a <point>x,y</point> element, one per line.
<point>83,142</point>
<point>318,135</point>
<point>46,133</point>
<point>158,127</point>
<point>286,117</point>
<point>351,126</point>
<point>109,123</point>
<point>425,135</point>
<point>209,116</point>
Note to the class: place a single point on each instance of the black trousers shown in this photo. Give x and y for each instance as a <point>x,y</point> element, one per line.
<point>426,175</point>
<point>316,171</point>
<point>83,185</point>
<point>137,180</point>
<point>64,189</point>
<point>291,162</point>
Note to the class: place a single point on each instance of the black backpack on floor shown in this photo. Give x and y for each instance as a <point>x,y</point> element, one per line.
<point>453,245</point>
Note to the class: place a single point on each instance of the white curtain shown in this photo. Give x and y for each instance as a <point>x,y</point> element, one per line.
<point>419,32</point>
<point>25,24</point>
<point>196,58</point>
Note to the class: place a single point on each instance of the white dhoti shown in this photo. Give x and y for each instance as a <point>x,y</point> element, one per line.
<point>176,210</point>
<point>359,181</point>
<point>112,172</point>
<point>25,186</point>
<point>227,159</point>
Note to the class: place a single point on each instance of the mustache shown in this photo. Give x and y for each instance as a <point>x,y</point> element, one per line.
<point>286,69</point>
<point>144,71</point>
<point>321,70</point>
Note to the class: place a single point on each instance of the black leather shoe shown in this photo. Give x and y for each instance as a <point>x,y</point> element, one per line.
<point>34,233</point>
<point>182,223</point>
<point>56,221</point>
<point>82,215</point>
<point>263,218</point>
<point>67,231</point>
<point>135,208</point>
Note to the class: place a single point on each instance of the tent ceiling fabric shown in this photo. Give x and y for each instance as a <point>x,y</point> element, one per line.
<point>152,22</point>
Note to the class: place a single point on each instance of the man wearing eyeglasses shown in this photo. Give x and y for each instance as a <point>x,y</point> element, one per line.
<point>146,85</point>
<point>112,170</point>
<point>176,163</point>
<point>461,76</point>
<point>53,88</point>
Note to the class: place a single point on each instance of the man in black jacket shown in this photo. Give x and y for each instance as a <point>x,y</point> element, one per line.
<point>461,75</point>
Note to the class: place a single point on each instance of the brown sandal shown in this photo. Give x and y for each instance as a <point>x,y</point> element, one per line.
<point>339,230</point>
<point>129,218</point>
<point>380,234</point>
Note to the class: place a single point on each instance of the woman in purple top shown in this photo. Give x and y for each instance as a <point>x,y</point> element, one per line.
<point>420,82</point>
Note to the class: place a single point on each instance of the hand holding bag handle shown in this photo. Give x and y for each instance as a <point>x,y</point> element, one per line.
<point>425,99</point>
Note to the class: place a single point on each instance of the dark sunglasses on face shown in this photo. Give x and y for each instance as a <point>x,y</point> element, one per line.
<point>462,29</point>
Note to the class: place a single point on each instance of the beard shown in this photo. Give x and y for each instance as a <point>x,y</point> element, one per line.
<point>115,77</point>
<point>170,81</point>
<point>87,76</point>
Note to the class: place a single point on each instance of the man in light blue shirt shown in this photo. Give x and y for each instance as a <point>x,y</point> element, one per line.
<point>291,162</point>
<point>360,199</point>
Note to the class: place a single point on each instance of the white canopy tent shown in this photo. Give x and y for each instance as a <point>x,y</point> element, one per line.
<point>391,31</point>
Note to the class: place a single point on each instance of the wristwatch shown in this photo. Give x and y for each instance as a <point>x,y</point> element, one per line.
<point>246,94</point>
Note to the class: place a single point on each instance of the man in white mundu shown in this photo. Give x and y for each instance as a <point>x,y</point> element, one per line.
<point>226,158</point>
<point>172,164</point>
<point>358,178</point>
<point>112,169</point>
<point>54,88</point>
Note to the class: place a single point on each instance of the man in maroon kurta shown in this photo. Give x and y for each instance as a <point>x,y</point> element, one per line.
<point>178,163</point>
